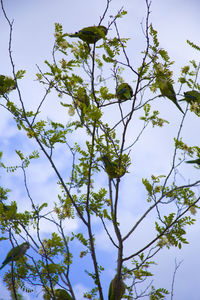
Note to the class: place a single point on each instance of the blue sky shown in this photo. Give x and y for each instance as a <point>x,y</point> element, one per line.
<point>33,37</point>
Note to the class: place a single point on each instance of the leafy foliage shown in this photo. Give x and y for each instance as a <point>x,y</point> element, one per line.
<point>96,140</point>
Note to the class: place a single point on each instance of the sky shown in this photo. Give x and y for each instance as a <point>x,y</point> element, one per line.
<point>33,38</point>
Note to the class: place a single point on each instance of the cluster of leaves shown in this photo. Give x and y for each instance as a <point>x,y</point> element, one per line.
<point>78,74</point>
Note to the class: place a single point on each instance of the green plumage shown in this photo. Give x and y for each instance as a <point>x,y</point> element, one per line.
<point>82,101</point>
<point>191,96</point>
<point>7,84</point>
<point>167,90</point>
<point>8,212</point>
<point>112,168</point>
<point>194,161</point>
<point>15,253</point>
<point>124,92</point>
<point>62,295</point>
<point>122,288</point>
<point>91,35</point>
<point>5,207</point>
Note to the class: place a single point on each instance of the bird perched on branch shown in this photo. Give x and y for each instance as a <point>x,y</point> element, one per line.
<point>194,161</point>
<point>82,101</point>
<point>167,90</point>
<point>15,253</point>
<point>124,92</point>
<point>7,84</point>
<point>60,294</point>
<point>8,212</point>
<point>192,96</point>
<point>91,34</point>
<point>113,168</point>
<point>122,288</point>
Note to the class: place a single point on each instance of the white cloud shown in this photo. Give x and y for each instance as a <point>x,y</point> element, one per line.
<point>79,289</point>
<point>33,40</point>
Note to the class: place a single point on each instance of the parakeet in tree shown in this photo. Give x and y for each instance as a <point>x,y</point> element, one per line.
<point>7,84</point>
<point>61,294</point>
<point>167,90</point>
<point>5,207</point>
<point>15,253</point>
<point>82,101</point>
<point>124,92</point>
<point>194,161</point>
<point>8,212</point>
<point>122,288</point>
<point>91,34</point>
<point>112,168</point>
<point>192,96</point>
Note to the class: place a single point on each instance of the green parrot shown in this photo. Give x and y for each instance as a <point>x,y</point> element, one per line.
<point>82,101</point>
<point>167,90</point>
<point>112,167</point>
<point>91,35</point>
<point>194,161</point>
<point>122,288</point>
<point>8,211</point>
<point>15,253</point>
<point>62,295</point>
<point>124,92</point>
<point>5,207</point>
<point>192,96</point>
<point>7,84</point>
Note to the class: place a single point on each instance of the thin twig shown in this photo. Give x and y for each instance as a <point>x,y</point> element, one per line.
<point>174,275</point>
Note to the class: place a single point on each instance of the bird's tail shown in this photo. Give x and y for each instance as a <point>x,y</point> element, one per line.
<point>178,107</point>
<point>191,161</point>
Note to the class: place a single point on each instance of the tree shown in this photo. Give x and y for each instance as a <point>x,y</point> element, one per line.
<point>79,74</point>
